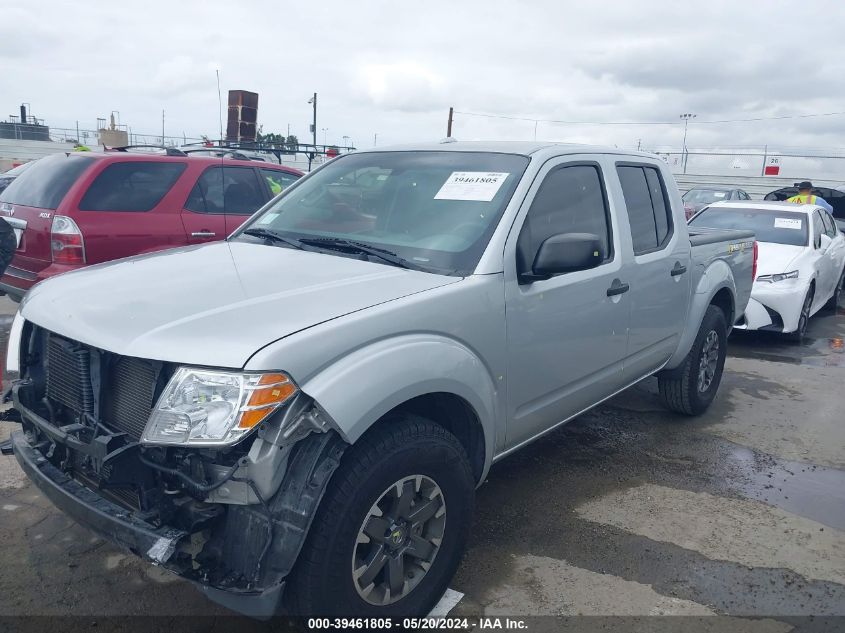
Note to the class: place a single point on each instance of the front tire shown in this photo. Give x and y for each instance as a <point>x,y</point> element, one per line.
<point>691,387</point>
<point>804,318</point>
<point>833,304</point>
<point>389,534</point>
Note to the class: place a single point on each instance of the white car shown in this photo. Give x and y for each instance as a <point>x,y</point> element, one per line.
<point>800,261</point>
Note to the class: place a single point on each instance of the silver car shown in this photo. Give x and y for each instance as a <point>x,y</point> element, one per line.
<point>298,416</point>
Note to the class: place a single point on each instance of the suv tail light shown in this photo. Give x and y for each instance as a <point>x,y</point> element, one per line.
<point>66,243</point>
<point>754,265</point>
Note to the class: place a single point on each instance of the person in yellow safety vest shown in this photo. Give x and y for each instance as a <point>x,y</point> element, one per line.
<point>805,196</point>
<point>275,185</point>
<point>81,148</point>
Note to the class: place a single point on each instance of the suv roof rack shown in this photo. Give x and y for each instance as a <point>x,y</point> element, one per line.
<point>220,151</point>
<point>169,151</point>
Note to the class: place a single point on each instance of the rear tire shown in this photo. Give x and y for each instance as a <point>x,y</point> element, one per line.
<point>690,388</point>
<point>368,532</point>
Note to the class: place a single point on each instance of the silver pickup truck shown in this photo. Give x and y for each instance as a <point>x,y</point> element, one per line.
<point>296,418</point>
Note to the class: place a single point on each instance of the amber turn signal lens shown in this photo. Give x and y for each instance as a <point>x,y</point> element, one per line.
<point>270,392</point>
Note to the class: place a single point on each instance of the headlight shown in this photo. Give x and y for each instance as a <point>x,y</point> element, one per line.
<point>214,408</point>
<point>778,277</point>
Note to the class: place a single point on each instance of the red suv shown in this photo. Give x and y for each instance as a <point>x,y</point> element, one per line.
<point>74,209</point>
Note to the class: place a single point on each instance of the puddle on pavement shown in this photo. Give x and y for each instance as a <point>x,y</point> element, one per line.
<point>813,492</point>
<point>817,352</point>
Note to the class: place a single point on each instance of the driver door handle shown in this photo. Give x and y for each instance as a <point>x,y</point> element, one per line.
<point>617,288</point>
<point>678,270</point>
<point>203,234</point>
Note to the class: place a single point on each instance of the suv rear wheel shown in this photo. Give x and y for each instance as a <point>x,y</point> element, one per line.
<point>389,533</point>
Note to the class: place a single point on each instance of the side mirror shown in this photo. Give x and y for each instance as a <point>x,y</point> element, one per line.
<point>565,253</point>
<point>824,241</point>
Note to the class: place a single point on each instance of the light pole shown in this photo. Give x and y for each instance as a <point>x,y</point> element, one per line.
<point>325,129</point>
<point>313,101</point>
<point>345,141</point>
<point>686,117</point>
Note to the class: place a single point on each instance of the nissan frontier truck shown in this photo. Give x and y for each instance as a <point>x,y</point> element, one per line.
<point>296,418</point>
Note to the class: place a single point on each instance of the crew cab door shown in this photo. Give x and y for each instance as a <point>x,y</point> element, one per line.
<point>566,335</point>
<point>221,192</point>
<point>660,273</point>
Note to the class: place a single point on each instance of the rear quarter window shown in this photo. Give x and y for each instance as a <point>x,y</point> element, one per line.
<point>46,183</point>
<point>131,186</point>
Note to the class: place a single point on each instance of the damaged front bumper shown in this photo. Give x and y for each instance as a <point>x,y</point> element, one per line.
<point>117,525</point>
<point>85,506</point>
<point>774,306</point>
<point>241,555</point>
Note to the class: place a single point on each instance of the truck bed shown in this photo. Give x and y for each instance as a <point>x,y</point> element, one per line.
<point>699,236</point>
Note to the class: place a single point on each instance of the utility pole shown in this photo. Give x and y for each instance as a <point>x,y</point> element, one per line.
<point>311,155</point>
<point>686,118</point>
<point>375,139</point>
<point>219,106</point>
<point>313,101</point>
<point>162,128</point>
<point>449,123</point>
<point>639,144</point>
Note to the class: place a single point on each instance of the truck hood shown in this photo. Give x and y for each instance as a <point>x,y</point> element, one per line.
<point>214,304</point>
<point>773,259</point>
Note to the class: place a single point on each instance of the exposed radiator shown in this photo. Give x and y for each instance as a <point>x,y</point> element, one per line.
<point>127,385</point>
<point>69,375</point>
<point>129,391</point>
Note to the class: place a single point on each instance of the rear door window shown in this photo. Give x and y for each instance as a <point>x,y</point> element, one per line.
<point>226,190</point>
<point>131,186</point>
<point>46,183</point>
<point>277,181</point>
<point>649,211</point>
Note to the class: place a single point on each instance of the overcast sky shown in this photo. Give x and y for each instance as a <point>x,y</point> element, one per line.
<point>393,68</point>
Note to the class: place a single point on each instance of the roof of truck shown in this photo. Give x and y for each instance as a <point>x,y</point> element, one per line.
<point>524,148</point>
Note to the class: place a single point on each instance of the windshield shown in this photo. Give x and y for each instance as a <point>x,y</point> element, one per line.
<point>777,227</point>
<point>437,210</point>
<point>705,196</point>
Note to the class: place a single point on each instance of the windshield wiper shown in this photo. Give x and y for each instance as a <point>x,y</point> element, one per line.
<point>359,247</point>
<point>274,237</point>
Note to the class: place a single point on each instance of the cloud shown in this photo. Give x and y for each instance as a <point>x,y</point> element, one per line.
<point>392,69</point>
<point>182,75</point>
<point>404,86</point>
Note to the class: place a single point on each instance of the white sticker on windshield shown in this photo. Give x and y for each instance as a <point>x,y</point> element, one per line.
<point>481,186</point>
<point>718,194</point>
<point>268,219</point>
<point>788,223</point>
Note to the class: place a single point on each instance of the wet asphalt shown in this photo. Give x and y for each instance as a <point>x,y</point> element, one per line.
<point>529,505</point>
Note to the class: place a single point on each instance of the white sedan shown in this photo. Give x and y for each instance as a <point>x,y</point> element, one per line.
<point>800,261</point>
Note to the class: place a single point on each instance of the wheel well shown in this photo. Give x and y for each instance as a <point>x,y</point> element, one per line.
<point>724,301</point>
<point>457,416</point>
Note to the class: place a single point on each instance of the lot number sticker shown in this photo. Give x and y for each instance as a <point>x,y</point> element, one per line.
<point>787,223</point>
<point>481,186</point>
